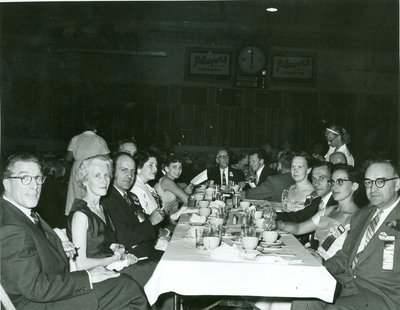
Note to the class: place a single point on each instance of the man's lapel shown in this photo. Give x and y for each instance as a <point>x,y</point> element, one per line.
<point>375,241</point>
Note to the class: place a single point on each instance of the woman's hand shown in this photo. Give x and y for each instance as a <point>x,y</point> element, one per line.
<point>189,189</point>
<point>132,259</point>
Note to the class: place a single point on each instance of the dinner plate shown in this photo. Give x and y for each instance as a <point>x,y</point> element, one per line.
<point>276,243</point>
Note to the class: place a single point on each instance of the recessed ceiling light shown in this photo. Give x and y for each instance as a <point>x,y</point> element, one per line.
<point>272,10</point>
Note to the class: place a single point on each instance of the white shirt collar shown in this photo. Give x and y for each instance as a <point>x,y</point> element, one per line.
<point>24,210</point>
<point>259,171</point>
<point>326,198</point>
<point>121,192</point>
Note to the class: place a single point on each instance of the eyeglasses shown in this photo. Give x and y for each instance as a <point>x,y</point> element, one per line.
<point>338,182</point>
<point>379,182</point>
<point>223,157</point>
<point>27,179</point>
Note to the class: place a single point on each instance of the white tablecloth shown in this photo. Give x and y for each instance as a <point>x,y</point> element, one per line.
<point>187,270</point>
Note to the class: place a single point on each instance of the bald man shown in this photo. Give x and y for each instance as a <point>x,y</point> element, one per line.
<point>338,158</point>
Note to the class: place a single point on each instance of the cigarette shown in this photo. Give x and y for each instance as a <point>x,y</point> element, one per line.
<point>142,258</point>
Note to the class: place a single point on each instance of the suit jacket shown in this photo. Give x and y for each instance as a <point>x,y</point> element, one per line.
<point>272,188</point>
<point>34,267</point>
<point>233,175</point>
<point>306,213</point>
<point>368,274</point>
<point>265,173</point>
<point>129,231</point>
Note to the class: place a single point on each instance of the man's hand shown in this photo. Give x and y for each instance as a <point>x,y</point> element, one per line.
<point>69,249</point>
<point>156,216</point>
<point>100,274</point>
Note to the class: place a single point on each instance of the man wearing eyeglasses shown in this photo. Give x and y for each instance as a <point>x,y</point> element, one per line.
<point>221,174</point>
<point>34,267</point>
<point>368,266</point>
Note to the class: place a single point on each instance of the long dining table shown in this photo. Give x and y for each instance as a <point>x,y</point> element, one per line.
<point>189,270</point>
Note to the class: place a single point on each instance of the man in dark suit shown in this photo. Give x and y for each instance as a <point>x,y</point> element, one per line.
<point>272,188</point>
<point>368,266</point>
<point>34,267</point>
<point>136,230</point>
<point>222,173</point>
<point>320,175</point>
<point>257,162</point>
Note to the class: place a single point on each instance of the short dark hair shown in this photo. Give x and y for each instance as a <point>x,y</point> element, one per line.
<point>285,159</point>
<point>117,156</point>
<point>261,154</point>
<point>17,157</point>
<point>353,173</point>
<point>142,157</point>
<point>321,163</point>
<point>306,156</point>
<point>172,159</point>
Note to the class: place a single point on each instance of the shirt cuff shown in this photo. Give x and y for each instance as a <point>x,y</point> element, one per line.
<point>90,279</point>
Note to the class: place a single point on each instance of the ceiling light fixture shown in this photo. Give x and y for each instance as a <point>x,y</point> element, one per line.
<point>272,10</point>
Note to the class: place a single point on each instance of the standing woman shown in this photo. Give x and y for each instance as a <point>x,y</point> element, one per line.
<point>170,193</point>
<point>337,138</point>
<point>301,193</point>
<point>82,146</point>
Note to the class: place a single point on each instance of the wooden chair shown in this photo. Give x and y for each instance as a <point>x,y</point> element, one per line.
<point>5,300</point>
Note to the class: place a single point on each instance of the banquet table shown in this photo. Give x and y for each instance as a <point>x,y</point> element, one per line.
<point>189,270</point>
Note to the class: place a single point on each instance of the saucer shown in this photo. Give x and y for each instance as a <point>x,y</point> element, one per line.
<point>276,243</point>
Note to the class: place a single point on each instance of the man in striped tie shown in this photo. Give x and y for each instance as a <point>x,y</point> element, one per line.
<point>368,266</point>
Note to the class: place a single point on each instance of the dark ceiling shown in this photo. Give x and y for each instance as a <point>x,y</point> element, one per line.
<point>341,24</point>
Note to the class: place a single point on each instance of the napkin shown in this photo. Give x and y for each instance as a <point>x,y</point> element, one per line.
<point>228,253</point>
<point>118,265</point>
<point>197,218</point>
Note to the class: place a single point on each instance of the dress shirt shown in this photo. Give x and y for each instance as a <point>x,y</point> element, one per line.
<point>343,149</point>
<point>324,201</point>
<point>383,217</point>
<point>258,174</point>
<point>225,171</point>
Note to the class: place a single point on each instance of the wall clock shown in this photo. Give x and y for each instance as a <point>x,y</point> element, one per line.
<point>251,60</point>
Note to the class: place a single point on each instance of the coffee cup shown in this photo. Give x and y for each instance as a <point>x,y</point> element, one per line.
<point>249,243</point>
<point>257,215</point>
<point>204,203</point>
<point>259,223</point>
<point>198,196</point>
<point>205,211</point>
<point>270,236</point>
<point>210,243</point>
<point>245,205</point>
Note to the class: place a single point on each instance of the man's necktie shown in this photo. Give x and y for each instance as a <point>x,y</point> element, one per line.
<point>370,231</point>
<point>223,177</point>
<point>136,207</point>
<point>128,201</point>
<point>257,179</point>
<point>36,220</point>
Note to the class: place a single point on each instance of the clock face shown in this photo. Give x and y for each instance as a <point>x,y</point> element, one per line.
<point>251,60</point>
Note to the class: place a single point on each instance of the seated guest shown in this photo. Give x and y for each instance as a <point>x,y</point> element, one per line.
<point>146,171</point>
<point>127,146</point>
<point>331,225</point>
<point>257,160</point>
<point>272,188</point>
<point>242,164</point>
<point>301,193</point>
<point>337,138</point>
<point>338,158</point>
<point>170,193</point>
<point>367,266</point>
<point>136,230</point>
<point>91,228</point>
<point>221,174</point>
<point>34,267</point>
<point>321,174</point>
